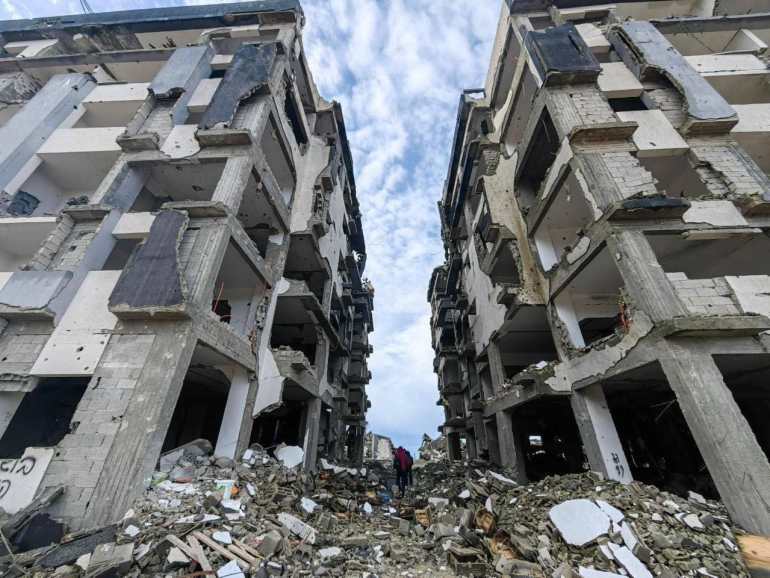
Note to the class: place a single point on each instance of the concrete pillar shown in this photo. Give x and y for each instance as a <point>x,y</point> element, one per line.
<point>232,183</point>
<point>511,454</point>
<point>508,445</point>
<point>9,403</point>
<point>360,434</point>
<point>492,445</point>
<point>454,450</point>
<point>235,410</point>
<point>312,423</point>
<point>496,367</point>
<point>735,460</point>
<point>600,438</point>
<point>470,446</point>
<point>23,134</point>
<point>644,278</point>
<point>479,434</point>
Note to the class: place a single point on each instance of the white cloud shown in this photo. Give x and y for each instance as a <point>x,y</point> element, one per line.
<point>398,68</point>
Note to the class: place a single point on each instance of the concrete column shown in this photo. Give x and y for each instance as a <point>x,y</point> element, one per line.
<point>479,431</point>
<point>233,182</point>
<point>735,460</point>
<point>496,367</point>
<point>600,438</point>
<point>470,446</point>
<point>644,278</point>
<point>454,450</point>
<point>312,423</point>
<point>359,456</point>
<point>493,447</point>
<point>9,403</point>
<point>235,410</point>
<point>23,134</point>
<point>511,454</point>
<point>339,431</point>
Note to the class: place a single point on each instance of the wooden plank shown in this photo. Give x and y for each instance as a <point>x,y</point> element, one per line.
<point>184,547</point>
<point>756,554</point>
<point>220,550</point>
<point>246,548</point>
<point>202,560</point>
<point>243,555</point>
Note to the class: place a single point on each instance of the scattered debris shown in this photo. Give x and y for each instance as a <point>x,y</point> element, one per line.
<point>343,521</point>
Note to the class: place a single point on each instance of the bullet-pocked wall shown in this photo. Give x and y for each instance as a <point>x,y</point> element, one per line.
<point>606,199</point>
<point>181,247</point>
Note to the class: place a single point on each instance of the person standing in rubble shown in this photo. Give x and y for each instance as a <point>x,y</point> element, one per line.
<point>401,465</point>
<point>410,479</point>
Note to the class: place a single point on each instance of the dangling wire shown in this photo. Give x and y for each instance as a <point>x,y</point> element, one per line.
<point>86,7</point>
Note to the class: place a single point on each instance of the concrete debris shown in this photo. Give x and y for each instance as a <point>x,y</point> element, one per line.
<point>433,450</point>
<point>634,566</point>
<point>570,526</point>
<point>222,537</point>
<point>296,526</point>
<point>308,506</point>
<point>290,456</point>
<point>230,570</point>
<point>579,521</point>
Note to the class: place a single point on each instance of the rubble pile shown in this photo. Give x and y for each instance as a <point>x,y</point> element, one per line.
<point>433,450</point>
<point>263,516</point>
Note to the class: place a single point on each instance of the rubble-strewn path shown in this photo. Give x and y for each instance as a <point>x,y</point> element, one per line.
<point>208,516</point>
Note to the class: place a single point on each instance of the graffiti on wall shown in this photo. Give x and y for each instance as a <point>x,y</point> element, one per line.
<point>21,477</point>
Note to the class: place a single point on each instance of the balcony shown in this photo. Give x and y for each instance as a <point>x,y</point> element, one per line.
<point>300,381</point>
<point>112,105</point>
<point>67,169</point>
<point>20,238</point>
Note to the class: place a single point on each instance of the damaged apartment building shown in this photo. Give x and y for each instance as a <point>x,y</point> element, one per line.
<point>605,299</point>
<point>181,251</point>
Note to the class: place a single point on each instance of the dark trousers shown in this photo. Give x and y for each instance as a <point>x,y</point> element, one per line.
<point>402,479</point>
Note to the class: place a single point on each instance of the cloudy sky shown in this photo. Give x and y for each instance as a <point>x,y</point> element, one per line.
<point>397,67</point>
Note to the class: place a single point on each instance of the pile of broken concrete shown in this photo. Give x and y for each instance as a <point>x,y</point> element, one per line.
<point>262,516</point>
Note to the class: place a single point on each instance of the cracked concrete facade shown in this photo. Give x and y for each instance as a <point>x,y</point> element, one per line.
<point>181,248</point>
<point>605,302</point>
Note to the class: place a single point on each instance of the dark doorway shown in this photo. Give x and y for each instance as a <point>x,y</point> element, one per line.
<point>44,415</point>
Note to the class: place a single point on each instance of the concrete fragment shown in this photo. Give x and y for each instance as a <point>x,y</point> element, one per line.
<point>614,514</point>
<point>330,553</point>
<point>111,558</point>
<point>591,573</point>
<point>634,566</point>
<point>438,502</point>
<point>579,521</point>
<point>290,456</point>
<point>83,561</point>
<point>271,543</point>
<point>223,537</point>
<point>131,531</point>
<point>230,570</point>
<point>629,538</point>
<point>691,521</point>
<point>176,558</point>
<point>298,527</point>
<point>309,506</point>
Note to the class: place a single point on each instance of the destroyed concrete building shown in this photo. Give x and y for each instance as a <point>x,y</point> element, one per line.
<point>181,250</point>
<point>604,301</point>
<point>378,448</point>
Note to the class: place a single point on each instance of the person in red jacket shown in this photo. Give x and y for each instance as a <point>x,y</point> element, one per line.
<point>401,465</point>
